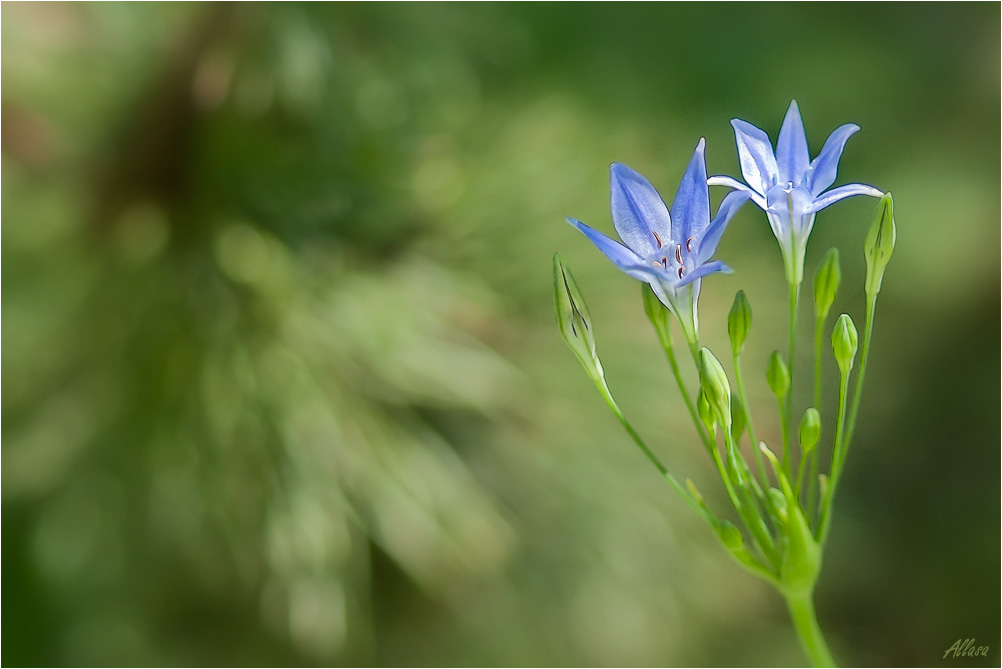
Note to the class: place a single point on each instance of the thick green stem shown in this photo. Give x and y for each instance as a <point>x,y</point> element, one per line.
<point>806,623</point>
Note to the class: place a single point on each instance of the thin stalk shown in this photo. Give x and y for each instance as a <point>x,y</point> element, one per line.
<point>838,456</point>
<point>749,511</point>
<point>669,349</point>
<point>814,457</point>
<point>857,393</point>
<point>794,298</point>
<point>603,390</point>
<point>806,623</point>
<point>742,395</point>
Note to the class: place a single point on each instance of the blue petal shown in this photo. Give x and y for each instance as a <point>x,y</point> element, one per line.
<point>730,182</point>
<point>691,209</point>
<point>825,166</point>
<point>842,192</point>
<point>728,207</point>
<point>622,257</point>
<point>637,210</point>
<point>758,162</point>
<point>701,271</point>
<point>792,157</point>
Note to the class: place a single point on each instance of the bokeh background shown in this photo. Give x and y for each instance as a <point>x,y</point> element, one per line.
<point>283,380</point>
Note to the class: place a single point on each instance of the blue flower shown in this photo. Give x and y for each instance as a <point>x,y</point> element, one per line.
<point>787,184</point>
<point>670,250</point>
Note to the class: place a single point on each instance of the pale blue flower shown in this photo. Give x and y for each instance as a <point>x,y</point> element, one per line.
<point>670,250</point>
<point>787,184</point>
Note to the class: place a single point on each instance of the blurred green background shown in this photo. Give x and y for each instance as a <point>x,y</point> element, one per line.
<point>283,380</point>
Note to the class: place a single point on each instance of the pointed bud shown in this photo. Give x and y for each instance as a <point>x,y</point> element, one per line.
<point>844,342</point>
<point>715,387</point>
<point>826,283</point>
<point>573,317</point>
<point>705,412</point>
<point>777,501</point>
<point>810,430</point>
<point>879,245</point>
<point>730,535</point>
<point>778,375</point>
<point>738,417</point>
<point>739,322</point>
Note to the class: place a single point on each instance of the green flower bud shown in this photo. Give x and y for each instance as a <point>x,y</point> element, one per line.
<point>715,386</point>
<point>778,375</point>
<point>739,322</point>
<point>778,502</point>
<point>730,535</point>
<point>705,411</point>
<point>810,430</point>
<point>879,244</point>
<point>844,342</point>
<point>738,417</point>
<point>826,283</point>
<point>573,317</point>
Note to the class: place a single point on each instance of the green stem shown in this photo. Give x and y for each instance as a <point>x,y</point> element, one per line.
<point>749,510</point>
<point>857,393</point>
<point>669,349</point>
<point>794,298</point>
<point>806,623</point>
<point>739,380</point>
<point>838,457</point>
<point>603,390</point>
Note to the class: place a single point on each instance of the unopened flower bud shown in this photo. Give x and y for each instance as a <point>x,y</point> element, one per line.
<point>778,375</point>
<point>739,322</point>
<point>573,317</point>
<point>879,244</point>
<point>844,342</point>
<point>705,412</point>
<point>738,417</point>
<point>826,283</point>
<point>810,430</point>
<point>730,535</point>
<point>715,386</point>
<point>777,501</point>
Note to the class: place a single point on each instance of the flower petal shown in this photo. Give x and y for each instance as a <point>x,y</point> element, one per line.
<point>728,207</point>
<point>622,257</point>
<point>792,157</point>
<point>842,192</point>
<point>637,210</point>
<point>690,210</point>
<point>758,162</point>
<point>825,166</point>
<point>701,271</point>
<point>731,182</point>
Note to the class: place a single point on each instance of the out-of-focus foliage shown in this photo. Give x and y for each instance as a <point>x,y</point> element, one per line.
<point>283,381</point>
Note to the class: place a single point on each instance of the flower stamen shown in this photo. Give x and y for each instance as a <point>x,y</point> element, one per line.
<point>657,239</point>
<point>678,254</point>
<point>681,271</point>
<point>688,245</point>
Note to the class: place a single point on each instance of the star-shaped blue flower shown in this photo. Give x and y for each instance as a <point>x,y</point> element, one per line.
<point>787,184</point>
<point>670,250</point>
